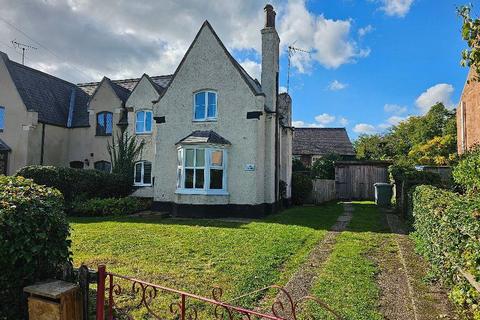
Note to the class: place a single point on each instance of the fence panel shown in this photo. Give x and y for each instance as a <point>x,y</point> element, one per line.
<point>323,191</point>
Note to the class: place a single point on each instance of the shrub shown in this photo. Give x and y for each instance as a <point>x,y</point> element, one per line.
<point>110,206</point>
<point>467,171</point>
<point>324,168</point>
<point>76,182</point>
<point>301,187</point>
<point>447,233</point>
<point>33,239</point>
<point>298,165</point>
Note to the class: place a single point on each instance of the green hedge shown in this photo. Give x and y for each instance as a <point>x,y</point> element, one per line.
<point>467,171</point>
<point>301,187</point>
<point>33,240</point>
<point>110,206</point>
<point>447,233</point>
<point>74,183</point>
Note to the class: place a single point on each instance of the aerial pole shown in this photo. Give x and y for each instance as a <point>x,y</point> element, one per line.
<point>291,52</point>
<point>24,47</point>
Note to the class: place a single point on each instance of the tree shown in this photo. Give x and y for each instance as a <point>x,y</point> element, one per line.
<point>471,34</point>
<point>324,168</point>
<point>370,147</point>
<point>124,152</point>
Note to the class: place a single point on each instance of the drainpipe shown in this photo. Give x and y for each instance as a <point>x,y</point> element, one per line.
<point>42,146</point>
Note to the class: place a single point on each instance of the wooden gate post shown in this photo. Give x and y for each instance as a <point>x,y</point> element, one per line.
<point>101,292</point>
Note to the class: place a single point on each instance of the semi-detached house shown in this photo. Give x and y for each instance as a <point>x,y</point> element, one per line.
<point>218,142</point>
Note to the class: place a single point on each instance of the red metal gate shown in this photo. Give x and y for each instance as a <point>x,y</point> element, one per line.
<point>181,308</point>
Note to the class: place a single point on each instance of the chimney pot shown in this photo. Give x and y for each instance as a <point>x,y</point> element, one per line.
<point>269,16</point>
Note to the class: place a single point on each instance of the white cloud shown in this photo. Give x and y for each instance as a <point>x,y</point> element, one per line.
<point>441,92</point>
<point>343,121</point>
<point>328,40</point>
<point>298,124</point>
<point>282,89</point>
<point>302,124</point>
<point>398,8</point>
<point>394,109</point>
<point>365,30</point>
<point>394,120</point>
<point>324,119</point>
<point>364,128</point>
<point>336,85</point>
<point>253,68</point>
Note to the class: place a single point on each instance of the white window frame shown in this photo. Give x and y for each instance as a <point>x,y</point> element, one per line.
<point>141,183</point>
<point>206,118</point>
<point>207,167</point>
<point>2,111</point>
<point>145,131</point>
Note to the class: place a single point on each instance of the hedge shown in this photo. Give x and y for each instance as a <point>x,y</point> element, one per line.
<point>33,240</point>
<point>467,171</point>
<point>110,206</point>
<point>74,183</point>
<point>301,187</point>
<point>447,234</point>
<point>405,180</point>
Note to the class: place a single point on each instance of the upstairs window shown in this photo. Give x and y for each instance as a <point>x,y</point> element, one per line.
<point>104,123</point>
<point>2,118</point>
<point>143,173</point>
<point>103,165</point>
<point>205,106</point>
<point>143,122</point>
<point>201,171</point>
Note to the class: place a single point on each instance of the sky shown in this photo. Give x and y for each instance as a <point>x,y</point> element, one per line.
<point>370,63</point>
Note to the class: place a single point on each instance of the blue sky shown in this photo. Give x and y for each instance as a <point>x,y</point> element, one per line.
<point>408,55</point>
<point>372,62</point>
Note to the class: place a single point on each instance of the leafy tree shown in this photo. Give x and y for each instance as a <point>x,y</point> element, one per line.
<point>124,152</point>
<point>427,139</point>
<point>471,34</point>
<point>324,168</point>
<point>298,165</point>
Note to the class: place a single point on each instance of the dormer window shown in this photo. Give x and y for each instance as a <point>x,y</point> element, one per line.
<point>205,106</point>
<point>104,123</point>
<point>143,122</point>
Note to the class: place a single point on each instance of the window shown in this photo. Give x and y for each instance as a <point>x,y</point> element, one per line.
<point>143,122</point>
<point>104,123</point>
<point>76,164</point>
<point>2,118</point>
<point>104,166</point>
<point>201,170</point>
<point>205,106</point>
<point>143,173</point>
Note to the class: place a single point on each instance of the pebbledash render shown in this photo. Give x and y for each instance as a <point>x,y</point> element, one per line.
<point>218,142</point>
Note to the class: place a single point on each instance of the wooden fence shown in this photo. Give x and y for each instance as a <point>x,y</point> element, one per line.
<point>323,191</point>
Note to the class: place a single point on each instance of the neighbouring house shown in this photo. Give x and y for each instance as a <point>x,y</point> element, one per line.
<point>468,115</point>
<point>218,142</point>
<point>311,144</point>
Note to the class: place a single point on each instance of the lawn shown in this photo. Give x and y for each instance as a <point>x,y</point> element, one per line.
<point>194,255</point>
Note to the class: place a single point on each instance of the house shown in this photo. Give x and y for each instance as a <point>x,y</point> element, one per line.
<point>310,144</point>
<point>217,141</point>
<point>468,115</point>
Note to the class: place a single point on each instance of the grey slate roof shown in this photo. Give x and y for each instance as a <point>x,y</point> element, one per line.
<point>4,146</point>
<point>48,95</point>
<point>204,137</point>
<point>322,141</point>
<point>160,81</point>
<point>121,92</point>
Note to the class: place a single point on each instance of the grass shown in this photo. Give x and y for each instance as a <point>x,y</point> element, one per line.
<point>194,255</point>
<point>347,280</point>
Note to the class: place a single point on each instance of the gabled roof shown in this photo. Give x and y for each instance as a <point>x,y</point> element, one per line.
<point>121,92</point>
<point>4,146</point>
<point>253,84</point>
<point>49,96</point>
<point>322,141</point>
<point>130,84</point>
<point>198,136</point>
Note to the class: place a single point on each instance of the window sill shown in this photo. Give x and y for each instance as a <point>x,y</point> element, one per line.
<point>202,192</point>
<point>142,185</point>
<point>206,120</point>
<point>143,133</point>
<point>103,135</point>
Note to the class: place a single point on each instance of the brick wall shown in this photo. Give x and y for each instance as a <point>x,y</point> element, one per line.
<point>468,115</point>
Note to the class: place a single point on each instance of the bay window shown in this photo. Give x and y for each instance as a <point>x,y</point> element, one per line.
<point>205,106</point>
<point>201,170</point>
